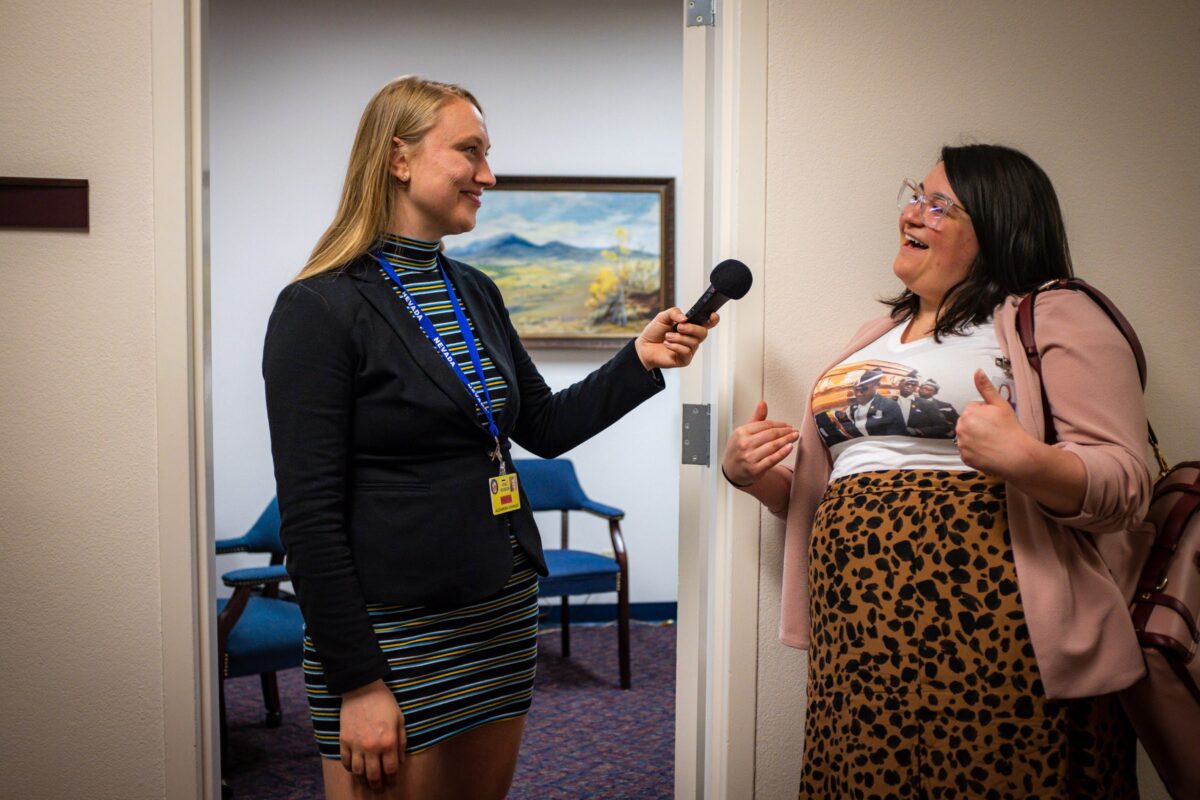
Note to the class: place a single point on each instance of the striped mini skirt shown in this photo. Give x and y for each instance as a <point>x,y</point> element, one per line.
<point>451,671</point>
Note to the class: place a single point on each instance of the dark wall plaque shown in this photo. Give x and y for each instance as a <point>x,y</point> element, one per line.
<point>44,203</point>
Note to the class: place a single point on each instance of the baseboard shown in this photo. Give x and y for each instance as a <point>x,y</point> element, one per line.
<point>593,613</point>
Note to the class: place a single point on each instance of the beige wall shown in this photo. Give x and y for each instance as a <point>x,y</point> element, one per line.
<point>1104,95</point>
<point>80,638</point>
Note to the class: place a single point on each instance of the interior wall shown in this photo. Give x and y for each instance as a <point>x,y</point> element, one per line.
<point>566,93</point>
<point>79,577</point>
<point>1104,95</point>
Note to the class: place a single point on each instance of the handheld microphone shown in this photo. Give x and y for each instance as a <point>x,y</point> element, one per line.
<point>729,280</point>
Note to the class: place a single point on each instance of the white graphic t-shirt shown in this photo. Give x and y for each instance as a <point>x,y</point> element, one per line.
<point>893,405</point>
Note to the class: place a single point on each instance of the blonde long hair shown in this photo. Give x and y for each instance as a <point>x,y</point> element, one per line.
<point>407,108</point>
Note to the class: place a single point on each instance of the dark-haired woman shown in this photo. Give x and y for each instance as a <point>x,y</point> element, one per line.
<point>963,598</point>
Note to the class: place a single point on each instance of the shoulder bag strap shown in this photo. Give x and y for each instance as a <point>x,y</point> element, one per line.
<point>1025,330</point>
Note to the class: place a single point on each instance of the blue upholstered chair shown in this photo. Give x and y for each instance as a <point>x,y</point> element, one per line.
<point>258,632</point>
<point>551,485</point>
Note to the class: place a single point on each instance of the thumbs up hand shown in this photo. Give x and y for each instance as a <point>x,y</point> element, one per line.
<point>752,449</point>
<point>990,438</point>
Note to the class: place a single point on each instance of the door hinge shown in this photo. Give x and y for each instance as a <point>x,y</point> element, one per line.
<point>697,431</point>
<point>701,13</point>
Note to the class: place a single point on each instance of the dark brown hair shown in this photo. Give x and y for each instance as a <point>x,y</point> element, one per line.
<point>1018,224</point>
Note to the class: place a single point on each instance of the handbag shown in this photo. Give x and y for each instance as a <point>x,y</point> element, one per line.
<point>1164,706</point>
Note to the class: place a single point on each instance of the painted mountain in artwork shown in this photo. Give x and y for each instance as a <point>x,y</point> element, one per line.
<point>507,249</point>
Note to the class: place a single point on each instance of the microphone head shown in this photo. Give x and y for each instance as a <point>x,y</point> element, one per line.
<point>731,278</point>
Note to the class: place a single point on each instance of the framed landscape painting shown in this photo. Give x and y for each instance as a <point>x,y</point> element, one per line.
<point>582,262</point>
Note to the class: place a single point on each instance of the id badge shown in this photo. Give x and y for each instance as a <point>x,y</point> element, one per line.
<point>506,496</point>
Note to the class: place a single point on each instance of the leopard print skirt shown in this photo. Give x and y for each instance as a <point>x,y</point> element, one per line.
<point>921,678</point>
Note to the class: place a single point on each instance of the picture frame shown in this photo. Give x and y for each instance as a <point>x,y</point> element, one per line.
<point>582,262</point>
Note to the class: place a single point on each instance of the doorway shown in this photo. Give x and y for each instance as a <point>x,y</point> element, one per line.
<point>285,85</point>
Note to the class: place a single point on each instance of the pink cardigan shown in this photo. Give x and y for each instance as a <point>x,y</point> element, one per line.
<point>1076,574</point>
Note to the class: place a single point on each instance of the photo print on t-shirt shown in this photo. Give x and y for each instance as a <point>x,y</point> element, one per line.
<point>880,398</point>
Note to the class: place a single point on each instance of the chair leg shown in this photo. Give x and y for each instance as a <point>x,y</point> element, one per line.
<point>623,629</point>
<point>565,617</point>
<point>224,731</point>
<point>270,690</point>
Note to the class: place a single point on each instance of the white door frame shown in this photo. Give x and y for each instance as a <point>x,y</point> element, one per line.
<point>722,215</point>
<point>722,195</point>
<point>190,735</point>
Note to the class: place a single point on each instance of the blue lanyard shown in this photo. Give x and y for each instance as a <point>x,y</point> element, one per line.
<point>440,345</point>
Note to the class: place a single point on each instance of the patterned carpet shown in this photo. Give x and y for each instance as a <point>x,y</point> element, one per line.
<point>585,739</point>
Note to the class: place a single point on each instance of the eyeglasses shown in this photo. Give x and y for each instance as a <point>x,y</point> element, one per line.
<point>933,208</point>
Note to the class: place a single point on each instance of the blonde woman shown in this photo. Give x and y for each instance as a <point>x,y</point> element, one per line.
<point>395,384</point>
